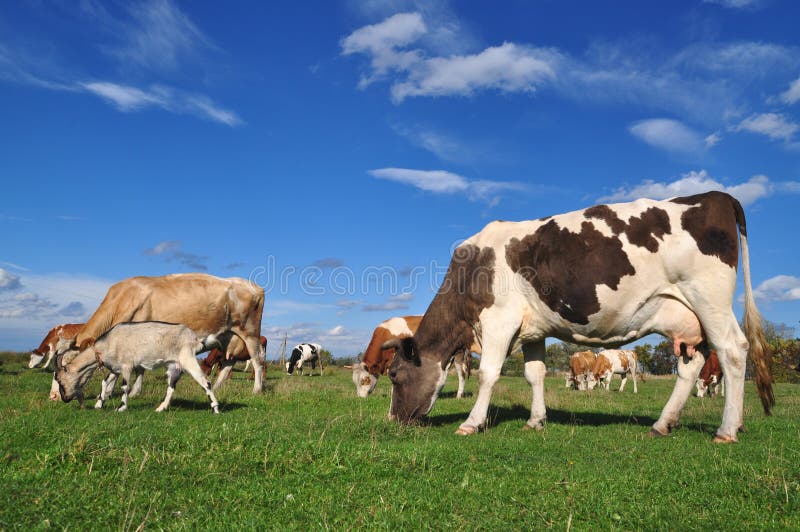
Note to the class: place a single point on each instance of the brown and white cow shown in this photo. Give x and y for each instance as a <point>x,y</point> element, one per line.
<point>581,365</point>
<point>59,336</point>
<point>612,362</point>
<point>237,353</point>
<point>215,308</point>
<point>376,359</point>
<point>710,379</point>
<point>604,275</point>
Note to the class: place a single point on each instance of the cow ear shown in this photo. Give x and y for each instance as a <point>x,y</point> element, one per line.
<point>408,350</point>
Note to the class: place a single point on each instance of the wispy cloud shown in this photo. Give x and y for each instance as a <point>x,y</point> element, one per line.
<point>705,82</point>
<point>127,99</point>
<point>779,288</point>
<point>792,94</point>
<point>157,36</point>
<point>9,281</point>
<point>171,251</point>
<point>755,188</point>
<point>380,307</point>
<point>444,182</point>
<point>737,4</point>
<point>773,125</point>
<point>328,263</point>
<point>670,135</point>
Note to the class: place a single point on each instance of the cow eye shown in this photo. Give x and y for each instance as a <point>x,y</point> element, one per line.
<point>393,375</point>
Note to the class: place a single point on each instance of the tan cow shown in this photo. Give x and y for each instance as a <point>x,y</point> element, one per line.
<point>610,362</point>
<point>376,359</point>
<point>580,367</point>
<point>216,309</point>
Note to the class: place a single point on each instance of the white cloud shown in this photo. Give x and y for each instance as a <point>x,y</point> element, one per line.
<point>443,182</point>
<point>755,188</point>
<point>712,140</point>
<point>705,82</point>
<point>336,331</point>
<point>736,4</point>
<point>439,181</point>
<point>9,281</point>
<point>171,251</point>
<point>667,134</point>
<point>507,68</point>
<point>792,94</point>
<point>158,36</point>
<point>773,125</point>
<point>127,99</point>
<point>779,288</point>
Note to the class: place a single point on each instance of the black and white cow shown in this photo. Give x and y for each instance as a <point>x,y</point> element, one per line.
<point>602,276</point>
<point>302,353</point>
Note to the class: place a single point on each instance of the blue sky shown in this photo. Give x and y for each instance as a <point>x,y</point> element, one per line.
<point>336,152</point>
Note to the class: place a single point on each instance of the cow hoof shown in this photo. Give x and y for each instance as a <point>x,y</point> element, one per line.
<point>391,417</point>
<point>742,429</point>
<point>98,405</point>
<point>725,439</point>
<point>538,426</point>
<point>466,430</point>
<point>654,433</point>
<point>215,410</point>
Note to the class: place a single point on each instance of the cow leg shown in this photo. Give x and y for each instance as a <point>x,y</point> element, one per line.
<point>461,372</point>
<point>248,364</point>
<point>225,368</point>
<point>192,367</point>
<point>633,376</point>
<point>497,333</point>
<point>126,379</point>
<point>106,388</point>
<point>258,356</point>
<point>534,373</point>
<point>688,370</point>
<point>722,386</point>
<point>50,355</point>
<point>174,373</point>
<point>624,380</point>
<point>136,389</point>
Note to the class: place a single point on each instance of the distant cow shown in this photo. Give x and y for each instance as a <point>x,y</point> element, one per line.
<point>59,336</point>
<point>215,308</point>
<point>614,362</point>
<point>376,359</point>
<point>581,365</point>
<point>238,353</point>
<point>710,378</point>
<point>130,346</point>
<point>304,353</point>
<point>602,276</point>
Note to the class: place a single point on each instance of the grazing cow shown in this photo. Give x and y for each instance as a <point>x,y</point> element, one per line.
<point>59,336</point>
<point>216,309</point>
<point>302,353</point>
<point>614,362</point>
<point>605,275</point>
<point>376,360</point>
<point>238,353</point>
<point>580,367</point>
<point>710,378</point>
<point>127,347</point>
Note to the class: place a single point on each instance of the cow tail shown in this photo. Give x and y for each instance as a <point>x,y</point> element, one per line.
<point>758,350</point>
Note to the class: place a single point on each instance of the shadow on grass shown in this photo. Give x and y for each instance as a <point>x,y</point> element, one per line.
<point>452,395</point>
<point>499,415</point>
<point>188,404</point>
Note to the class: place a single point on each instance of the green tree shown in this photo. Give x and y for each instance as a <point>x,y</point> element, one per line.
<point>663,360</point>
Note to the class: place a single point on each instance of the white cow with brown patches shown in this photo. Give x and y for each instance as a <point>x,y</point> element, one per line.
<point>602,276</point>
<point>612,362</point>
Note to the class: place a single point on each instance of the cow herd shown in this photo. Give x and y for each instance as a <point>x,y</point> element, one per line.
<point>602,277</point>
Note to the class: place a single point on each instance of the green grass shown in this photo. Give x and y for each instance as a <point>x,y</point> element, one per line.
<point>310,454</point>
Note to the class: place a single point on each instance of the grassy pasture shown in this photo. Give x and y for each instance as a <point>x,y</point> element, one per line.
<point>310,454</point>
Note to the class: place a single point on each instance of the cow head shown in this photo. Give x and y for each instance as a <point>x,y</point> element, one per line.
<point>36,358</point>
<point>73,372</point>
<point>416,381</point>
<point>701,387</point>
<point>294,361</point>
<point>365,381</point>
